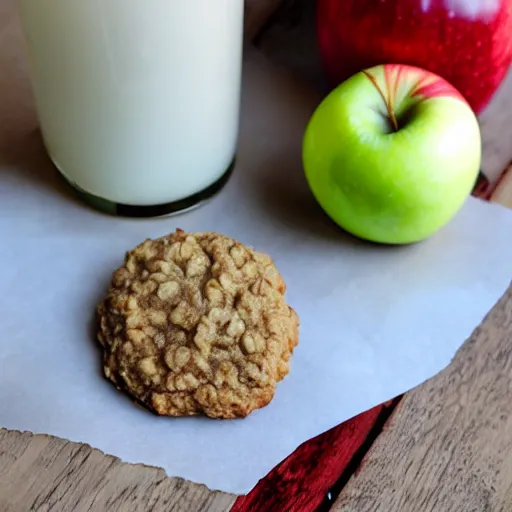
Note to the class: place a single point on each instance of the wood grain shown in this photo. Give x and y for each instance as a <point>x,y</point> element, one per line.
<point>44,473</point>
<point>448,445</point>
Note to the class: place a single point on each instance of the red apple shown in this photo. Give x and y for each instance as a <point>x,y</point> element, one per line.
<point>467,42</point>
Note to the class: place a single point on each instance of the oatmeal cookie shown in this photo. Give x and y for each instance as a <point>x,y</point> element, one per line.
<point>197,324</point>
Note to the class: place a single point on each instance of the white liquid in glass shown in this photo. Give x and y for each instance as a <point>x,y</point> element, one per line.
<point>138,100</point>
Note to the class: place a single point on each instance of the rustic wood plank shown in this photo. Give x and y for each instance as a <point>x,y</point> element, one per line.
<point>448,445</point>
<point>50,474</point>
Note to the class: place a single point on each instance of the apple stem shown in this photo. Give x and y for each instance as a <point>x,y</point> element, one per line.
<point>387,102</point>
<point>392,117</point>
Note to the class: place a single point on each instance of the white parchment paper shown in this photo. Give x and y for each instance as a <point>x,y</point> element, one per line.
<point>375,321</point>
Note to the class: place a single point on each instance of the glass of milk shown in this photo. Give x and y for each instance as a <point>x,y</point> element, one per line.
<point>138,100</point>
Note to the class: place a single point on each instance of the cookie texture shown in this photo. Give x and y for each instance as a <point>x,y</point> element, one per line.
<point>197,324</point>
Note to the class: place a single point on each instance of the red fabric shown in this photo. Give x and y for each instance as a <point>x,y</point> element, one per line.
<point>483,189</point>
<point>473,55</point>
<point>301,482</point>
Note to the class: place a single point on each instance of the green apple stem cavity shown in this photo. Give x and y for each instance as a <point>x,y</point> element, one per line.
<point>392,153</point>
<point>387,100</point>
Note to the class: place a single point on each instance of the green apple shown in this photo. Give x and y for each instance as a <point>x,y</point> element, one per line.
<point>392,153</point>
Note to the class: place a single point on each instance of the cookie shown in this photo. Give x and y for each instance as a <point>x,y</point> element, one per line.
<point>197,324</point>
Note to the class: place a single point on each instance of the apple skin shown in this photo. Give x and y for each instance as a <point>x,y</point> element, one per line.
<point>387,184</point>
<point>473,53</point>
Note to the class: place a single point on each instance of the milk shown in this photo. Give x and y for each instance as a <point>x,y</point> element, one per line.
<point>138,100</point>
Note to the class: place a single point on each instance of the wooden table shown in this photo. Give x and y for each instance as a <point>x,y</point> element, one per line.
<point>445,446</point>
